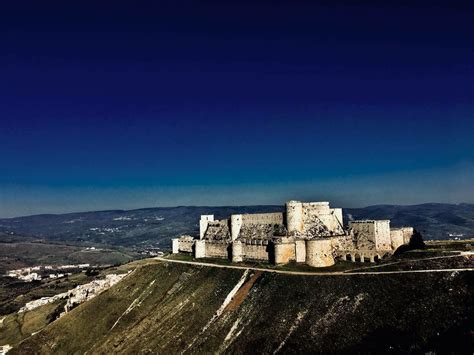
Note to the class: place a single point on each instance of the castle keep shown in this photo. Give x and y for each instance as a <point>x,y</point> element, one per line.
<point>311,233</point>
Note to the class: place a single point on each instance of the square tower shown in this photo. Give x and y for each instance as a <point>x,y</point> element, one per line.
<point>203,223</point>
<point>371,234</point>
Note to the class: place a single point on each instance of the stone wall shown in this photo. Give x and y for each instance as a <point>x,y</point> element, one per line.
<point>400,236</point>
<point>343,243</point>
<point>313,219</point>
<point>217,250</point>
<point>319,252</point>
<point>237,251</point>
<point>255,252</point>
<point>300,251</point>
<point>371,235</point>
<point>203,222</point>
<point>262,218</point>
<point>337,212</point>
<point>200,249</point>
<point>382,235</point>
<point>318,216</point>
<point>175,245</point>
<point>185,245</point>
<point>294,217</point>
<point>261,231</point>
<point>235,225</point>
<point>396,236</point>
<point>284,252</point>
<point>218,230</point>
<point>407,234</point>
<point>364,234</point>
<point>307,232</point>
<point>258,225</point>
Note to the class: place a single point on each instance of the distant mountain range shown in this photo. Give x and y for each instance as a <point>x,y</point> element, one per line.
<point>433,220</point>
<point>155,226</point>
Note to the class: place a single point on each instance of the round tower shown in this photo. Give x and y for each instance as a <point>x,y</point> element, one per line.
<point>237,252</point>
<point>294,216</point>
<point>319,252</point>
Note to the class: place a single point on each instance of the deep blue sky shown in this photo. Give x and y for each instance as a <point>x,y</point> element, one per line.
<point>127,106</point>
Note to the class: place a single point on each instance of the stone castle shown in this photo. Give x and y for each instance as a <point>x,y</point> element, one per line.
<point>311,233</point>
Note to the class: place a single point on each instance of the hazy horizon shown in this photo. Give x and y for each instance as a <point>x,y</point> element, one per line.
<point>211,206</point>
<point>448,186</point>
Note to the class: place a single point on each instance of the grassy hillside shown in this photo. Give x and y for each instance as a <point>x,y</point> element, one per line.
<point>170,308</point>
<point>18,326</point>
<point>15,293</point>
<point>16,255</point>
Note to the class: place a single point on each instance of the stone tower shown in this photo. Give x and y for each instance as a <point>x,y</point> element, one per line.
<point>235,225</point>
<point>294,216</point>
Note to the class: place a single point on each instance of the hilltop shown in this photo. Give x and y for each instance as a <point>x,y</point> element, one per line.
<point>163,307</point>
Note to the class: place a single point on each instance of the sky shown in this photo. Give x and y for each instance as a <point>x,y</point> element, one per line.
<point>111,105</point>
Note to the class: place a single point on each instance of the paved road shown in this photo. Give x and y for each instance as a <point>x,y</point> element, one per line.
<point>313,273</point>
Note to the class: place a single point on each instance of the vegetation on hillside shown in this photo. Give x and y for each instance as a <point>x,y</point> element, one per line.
<point>170,308</point>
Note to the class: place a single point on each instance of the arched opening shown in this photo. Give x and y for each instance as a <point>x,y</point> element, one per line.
<point>348,257</point>
<point>358,258</point>
<point>377,258</point>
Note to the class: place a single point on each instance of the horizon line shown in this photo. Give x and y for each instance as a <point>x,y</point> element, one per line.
<point>223,206</point>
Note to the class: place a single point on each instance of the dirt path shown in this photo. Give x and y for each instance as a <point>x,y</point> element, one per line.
<point>311,273</point>
<point>242,293</point>
<point>461,254</point>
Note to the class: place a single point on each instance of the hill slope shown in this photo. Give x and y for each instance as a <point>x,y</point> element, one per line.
<point>169,308</point>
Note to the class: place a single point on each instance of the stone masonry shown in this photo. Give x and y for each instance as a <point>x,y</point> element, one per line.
<point>307,232</point>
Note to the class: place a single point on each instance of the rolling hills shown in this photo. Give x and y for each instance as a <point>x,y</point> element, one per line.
<point>153,227</point>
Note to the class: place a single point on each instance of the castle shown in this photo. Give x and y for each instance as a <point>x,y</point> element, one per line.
<point>311,233</point>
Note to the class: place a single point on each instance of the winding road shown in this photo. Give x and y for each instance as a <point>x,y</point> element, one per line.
<point>316,273</point>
